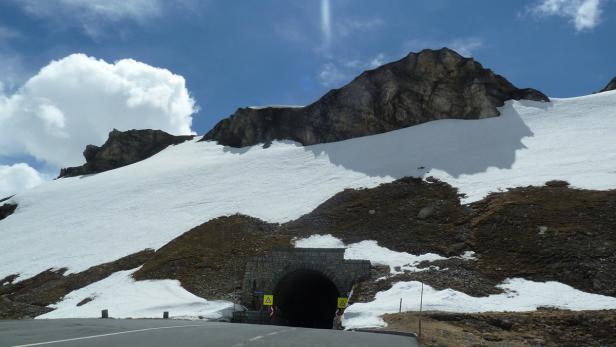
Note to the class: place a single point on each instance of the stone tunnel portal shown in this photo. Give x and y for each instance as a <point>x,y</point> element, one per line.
<point>305,284</point>
<point>306,298</point>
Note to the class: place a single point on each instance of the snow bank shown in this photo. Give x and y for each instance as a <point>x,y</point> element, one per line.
<point>84,221</point>
<point>521,295</point>
<point>369,250</point>
<point>127,298</point>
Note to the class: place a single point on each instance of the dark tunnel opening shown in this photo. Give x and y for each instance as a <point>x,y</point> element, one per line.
<point>306,298</point>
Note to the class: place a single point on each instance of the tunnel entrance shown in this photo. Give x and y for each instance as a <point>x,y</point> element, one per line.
<point>306,298</point>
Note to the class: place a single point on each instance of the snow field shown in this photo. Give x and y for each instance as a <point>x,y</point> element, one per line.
<point>127,298</point>
<point>521,295</point>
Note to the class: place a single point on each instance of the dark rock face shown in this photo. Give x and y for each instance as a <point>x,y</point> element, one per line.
<point>425,86</point>
<point>7,210</point>
<point>609,86</point>
<point>123,148</point>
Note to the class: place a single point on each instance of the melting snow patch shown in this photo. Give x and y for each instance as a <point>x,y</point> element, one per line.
<point>126,298</point>
<point>521,295</point>
<point>398,262</point>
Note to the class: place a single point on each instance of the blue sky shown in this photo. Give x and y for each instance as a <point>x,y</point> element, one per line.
<point>241,53</point>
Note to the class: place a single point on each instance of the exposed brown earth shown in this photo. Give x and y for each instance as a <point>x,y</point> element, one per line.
<point>409,215</point>
<point>421,87</point>
<point>210,260</point>
<point>548,233</point>
<point>458,274</point>
<point>30,298</point>
<point>540,233</point>
<point>541,328</point>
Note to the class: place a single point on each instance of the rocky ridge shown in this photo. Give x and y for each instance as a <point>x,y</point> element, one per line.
<point>610,86</point>
<point>123,148</point>
<point>421,87</point>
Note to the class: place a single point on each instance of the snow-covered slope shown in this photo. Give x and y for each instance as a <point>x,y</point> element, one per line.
<point>84,221</point>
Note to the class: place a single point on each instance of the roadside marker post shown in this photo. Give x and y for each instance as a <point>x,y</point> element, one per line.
<point>420,308</point>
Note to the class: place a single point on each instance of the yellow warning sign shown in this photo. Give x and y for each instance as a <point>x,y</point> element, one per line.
<point>342,302</point>
<point>268,300</point>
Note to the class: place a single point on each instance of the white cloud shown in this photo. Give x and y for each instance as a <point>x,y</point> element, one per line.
<point>7,34</point>
<point>348,26</point>
<point>95,17</point>
<point>331,75</point>
<point>334,74</point>
<point>102,9</point>
<point>77,100</point>
<point>16,178</point>
<point>584,14</point>
<point>466,46</point>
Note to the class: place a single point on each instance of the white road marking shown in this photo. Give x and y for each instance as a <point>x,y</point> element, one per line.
<point>110,334</point>
<point>272,333</point>
<point>255,338</point>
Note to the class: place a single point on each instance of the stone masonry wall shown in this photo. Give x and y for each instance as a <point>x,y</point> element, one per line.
<point>265,272</point>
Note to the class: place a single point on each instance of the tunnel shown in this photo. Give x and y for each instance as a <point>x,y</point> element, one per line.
<point>306,298</point>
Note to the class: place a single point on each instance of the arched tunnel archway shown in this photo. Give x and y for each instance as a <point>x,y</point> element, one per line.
<point>306,298</point>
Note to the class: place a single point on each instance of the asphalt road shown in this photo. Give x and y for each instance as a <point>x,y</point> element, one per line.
<point>179,333</point>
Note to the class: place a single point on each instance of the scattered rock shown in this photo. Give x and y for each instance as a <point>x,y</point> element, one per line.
<point>557,184</point>
<point>85,301</point>
<point>371,211</point>
<point>421,87</point>
<point>425,212</point>
<point>123,148</point>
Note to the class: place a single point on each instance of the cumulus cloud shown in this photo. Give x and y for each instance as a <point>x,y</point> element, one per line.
<point>16,178</point>
<point>584,14</point>
<point>77,100</point>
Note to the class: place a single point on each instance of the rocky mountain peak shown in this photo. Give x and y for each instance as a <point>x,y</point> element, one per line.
<point>123,148</point>
<point>610,86</point>
<point>421,87</point>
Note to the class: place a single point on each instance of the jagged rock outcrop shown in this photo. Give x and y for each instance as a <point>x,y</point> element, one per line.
<point>123,148</point>
<point>421,87</point>
<point>609,86</point>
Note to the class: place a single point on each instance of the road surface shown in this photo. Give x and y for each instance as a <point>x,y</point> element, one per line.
<point>180,333</point>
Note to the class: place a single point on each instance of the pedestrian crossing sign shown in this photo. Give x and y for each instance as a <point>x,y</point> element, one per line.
<point>268,300</point>
<point>342,302</point>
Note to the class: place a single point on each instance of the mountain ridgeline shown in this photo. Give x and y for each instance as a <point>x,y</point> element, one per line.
<point>421,87</point>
